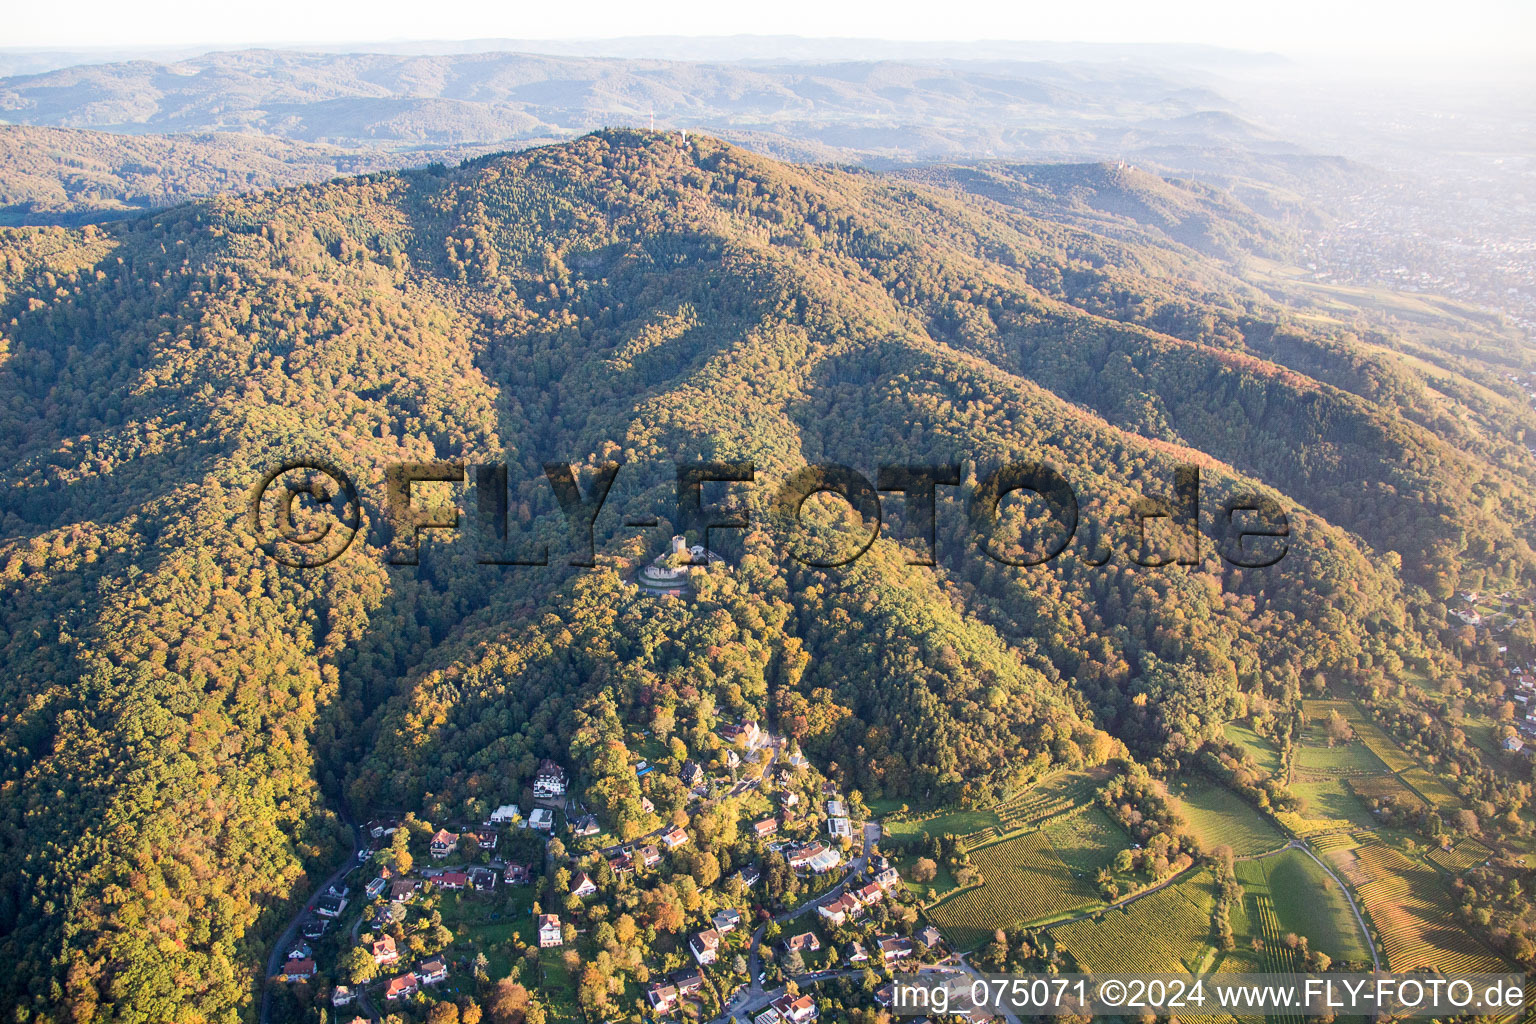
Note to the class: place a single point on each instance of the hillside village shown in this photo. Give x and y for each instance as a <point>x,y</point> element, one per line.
<point>752,893</point>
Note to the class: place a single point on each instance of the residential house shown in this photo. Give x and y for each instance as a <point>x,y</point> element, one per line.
<point>841,909</point>
<point>689,981</point>
<point>622,865</point>
<point>647,806</point>
<point>674,837</point>
<point>342,995</point>
<point>835,809</point>
<point>331,905</point>
<point>870,894</point>
<point>486,840</point>
<point>376,888</point>
<point>549,783</point>
<point>929,936</point>
<point>401,987</point>
<point>839,828</point>
<point>403,891</point>
<point>795,1009</point>
<point>482,879</point>
<point>750,876</point>
<point>297,970</point>
<point>650,856</point>
<point>817,857</point>
<point>746,733</point>
<point>692,775</point>
<point>384,951</point>
<point>766,827</point>
<point>582,885</point>
<point>506,814</point>
<point>517,874</point>
<point>549,931</point>
<point>805,942</point>
<point>1514,744</point>
<point>452,880</point>
<point>896,949</point>
<point>587,826</point>
<point>888,879</point>
<point>542,819</point>
<point>432,971</point>
<point>663,998</point>
<point>857,954</point>
<point>726,920</point>
<point>705,946</point>
<point>443,843</point>
<point>381,827</point>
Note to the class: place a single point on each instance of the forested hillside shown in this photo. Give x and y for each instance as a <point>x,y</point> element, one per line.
<point>187,722</point>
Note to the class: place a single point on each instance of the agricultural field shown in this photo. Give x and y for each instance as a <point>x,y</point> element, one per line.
<point>1463,856</point>
<point>1261,749</point>
<point>1384,787</point>
<point>1086,840</point>
<point>1025,880</point>
<point>1050,797</point>
<point>1219,817</point>
<point>1351,757</point>
<point>1367,732</point>
<point>949,822</point>
<point>1178,916</point>
<point>1328,803</point>
<point>1413,915</point>
<point>1306,901</point>
<point>1432,789</point>
<point>1330,841</point>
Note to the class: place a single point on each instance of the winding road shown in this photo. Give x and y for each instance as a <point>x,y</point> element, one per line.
<point>285,940</point>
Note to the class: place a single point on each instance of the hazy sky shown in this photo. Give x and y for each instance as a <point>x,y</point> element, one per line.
<point>1500,28</point>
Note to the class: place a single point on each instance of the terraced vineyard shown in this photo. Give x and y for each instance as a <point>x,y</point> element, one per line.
<point>1462,856</point>
<point>1051,796</point>
<point>1025,880</point>
<point>1412,913</point>
<point>1330,841</point>
<point>1219,817</point>
<point>1278,957</point>
<point>1168,930</point>
<point>1310,826</point>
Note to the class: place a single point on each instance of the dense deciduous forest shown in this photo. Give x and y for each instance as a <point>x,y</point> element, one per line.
<point>187,722</point>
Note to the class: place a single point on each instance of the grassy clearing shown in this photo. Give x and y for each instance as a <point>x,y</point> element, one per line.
<point>1219,817</point>
<point>949,822</point>
<point>1327,799</point>
<point>1261,749</point>
<point>1309,903</point>
<point>1384,787</point>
